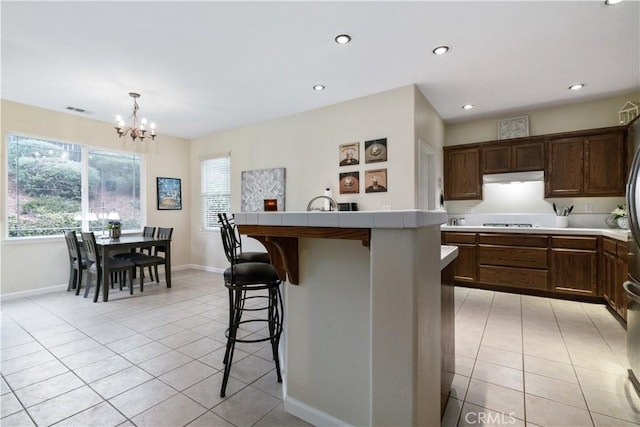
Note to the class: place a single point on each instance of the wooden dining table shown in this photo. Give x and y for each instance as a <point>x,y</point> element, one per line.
<point>108,247</point>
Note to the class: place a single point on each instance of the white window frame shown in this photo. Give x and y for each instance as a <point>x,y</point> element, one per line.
<point>84,190</point>
<point>204,194</point>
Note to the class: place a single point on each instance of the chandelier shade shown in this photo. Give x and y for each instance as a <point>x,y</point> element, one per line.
<point>135,131</point>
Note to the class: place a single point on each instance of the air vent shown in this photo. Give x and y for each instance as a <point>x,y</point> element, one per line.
<point>78,110</point>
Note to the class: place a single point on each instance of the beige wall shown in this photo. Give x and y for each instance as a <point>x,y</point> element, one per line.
<point>29,264</point>
<point>429,128</point>
<point>306,144</point>
<point>584,115</point>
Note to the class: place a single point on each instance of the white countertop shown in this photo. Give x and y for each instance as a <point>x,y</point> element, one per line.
<point>411,218</point>
<point>447,255</point>
<point>622,235</point>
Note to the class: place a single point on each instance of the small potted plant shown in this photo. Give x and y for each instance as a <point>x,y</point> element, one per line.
<point>115,227</point>
<point>620,214</point>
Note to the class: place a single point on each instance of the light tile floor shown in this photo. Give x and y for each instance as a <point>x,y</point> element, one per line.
<point>151,359</point>
<point>155,359</point>
<point>523,360</point>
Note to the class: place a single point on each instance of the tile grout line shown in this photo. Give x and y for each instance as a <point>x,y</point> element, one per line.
<point>80,378</point>
<point>524,383</point>
<point>573,366</point>
<point>85,384</point>
<point>475,359</point>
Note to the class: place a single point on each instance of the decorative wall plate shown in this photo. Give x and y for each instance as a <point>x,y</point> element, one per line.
<point>517,127</point>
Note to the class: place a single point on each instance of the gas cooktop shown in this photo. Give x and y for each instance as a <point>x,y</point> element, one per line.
<point>492,224</point>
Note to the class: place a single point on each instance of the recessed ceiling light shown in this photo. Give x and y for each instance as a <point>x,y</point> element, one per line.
<point>318,87</point>
<point>343,38</point>
<point>467,106</point>
<point>611,2</point>
<point>577,86</point>
<point>441,50</point>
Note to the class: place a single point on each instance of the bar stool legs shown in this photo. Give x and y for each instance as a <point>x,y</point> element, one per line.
<point>238,296</point>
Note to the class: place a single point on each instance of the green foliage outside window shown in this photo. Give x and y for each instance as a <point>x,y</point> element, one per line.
<point>45,186</point>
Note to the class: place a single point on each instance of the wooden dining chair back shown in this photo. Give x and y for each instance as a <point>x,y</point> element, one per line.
<point>142,260</point>
<point>146,232</point>
<point>115,265</point>
<point>77,261</point>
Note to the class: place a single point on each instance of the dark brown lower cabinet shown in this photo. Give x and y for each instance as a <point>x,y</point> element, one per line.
<point>614,273</point>
<point>448,365</point>
<point>515,260</point>
<point>560,265</point>
<point>574,264</point>
<point>465,268</point>
<point>609,272</point>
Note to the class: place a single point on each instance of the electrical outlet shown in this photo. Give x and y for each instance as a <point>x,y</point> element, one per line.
<point>588,208</point>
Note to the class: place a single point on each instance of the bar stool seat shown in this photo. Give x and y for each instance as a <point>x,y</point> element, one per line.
<point>253,287</point>
<point>253,257</point>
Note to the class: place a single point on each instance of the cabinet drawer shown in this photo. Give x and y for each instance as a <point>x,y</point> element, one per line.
<point>534,241</point>
<point>519,277</point>
<point>512,256</point>
<point>609,246</point>
<point>459,238</point>
<point>574,242</point>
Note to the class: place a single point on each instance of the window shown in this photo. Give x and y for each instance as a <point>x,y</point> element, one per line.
<point>216,189</point>
<point>55,186</point>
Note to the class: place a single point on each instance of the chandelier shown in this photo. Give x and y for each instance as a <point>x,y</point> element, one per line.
<point>135,131</point>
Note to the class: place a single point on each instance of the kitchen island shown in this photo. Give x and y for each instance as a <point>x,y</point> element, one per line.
<point>362,339</point>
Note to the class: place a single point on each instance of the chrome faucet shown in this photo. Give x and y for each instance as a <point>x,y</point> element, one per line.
<point>333,205</point>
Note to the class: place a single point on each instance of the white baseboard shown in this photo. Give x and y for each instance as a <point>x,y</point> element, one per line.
<point>207,268</point>
<point>310,414</point>
<point>63,287</point>
<point>33,292</point>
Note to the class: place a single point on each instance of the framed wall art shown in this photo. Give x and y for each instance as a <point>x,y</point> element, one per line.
<point>260,185</point>
<point>513,128</point>
<point>375,150</point>
<point>349,182</point>
<point>375,181</point>
<point>169,194</point>
<point>350,154</point>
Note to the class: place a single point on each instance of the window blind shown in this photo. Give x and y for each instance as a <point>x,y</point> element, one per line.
<point>216,189</point>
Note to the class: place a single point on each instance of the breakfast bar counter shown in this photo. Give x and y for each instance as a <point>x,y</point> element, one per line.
<point>362,342</point>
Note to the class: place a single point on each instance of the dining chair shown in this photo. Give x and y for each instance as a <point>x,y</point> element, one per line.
<point>77,261</point>
<point>146,232</point>
<point>115,265</point>
<point>236,241</point>
<point>142,260</point>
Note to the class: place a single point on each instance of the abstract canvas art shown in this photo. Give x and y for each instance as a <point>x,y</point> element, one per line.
<point>260,184</point>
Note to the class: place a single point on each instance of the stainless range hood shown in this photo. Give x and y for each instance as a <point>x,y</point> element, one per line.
<point>506,178</point>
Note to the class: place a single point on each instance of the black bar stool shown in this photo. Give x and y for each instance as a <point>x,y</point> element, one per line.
<point>253,287</point>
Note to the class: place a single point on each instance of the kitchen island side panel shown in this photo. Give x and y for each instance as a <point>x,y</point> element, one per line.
<point>405,326</point>
<point>327,325</point>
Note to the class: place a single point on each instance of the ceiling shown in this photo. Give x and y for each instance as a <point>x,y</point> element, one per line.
<point>204,67</point>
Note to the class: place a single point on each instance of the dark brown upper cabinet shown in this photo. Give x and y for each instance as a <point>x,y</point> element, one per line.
<point>587,165</point>
<point>502,157</point>
<point>462,177</point>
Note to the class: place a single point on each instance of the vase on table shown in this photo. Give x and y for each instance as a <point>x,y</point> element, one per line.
<point>623,222</point>
<point>114,233</point>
